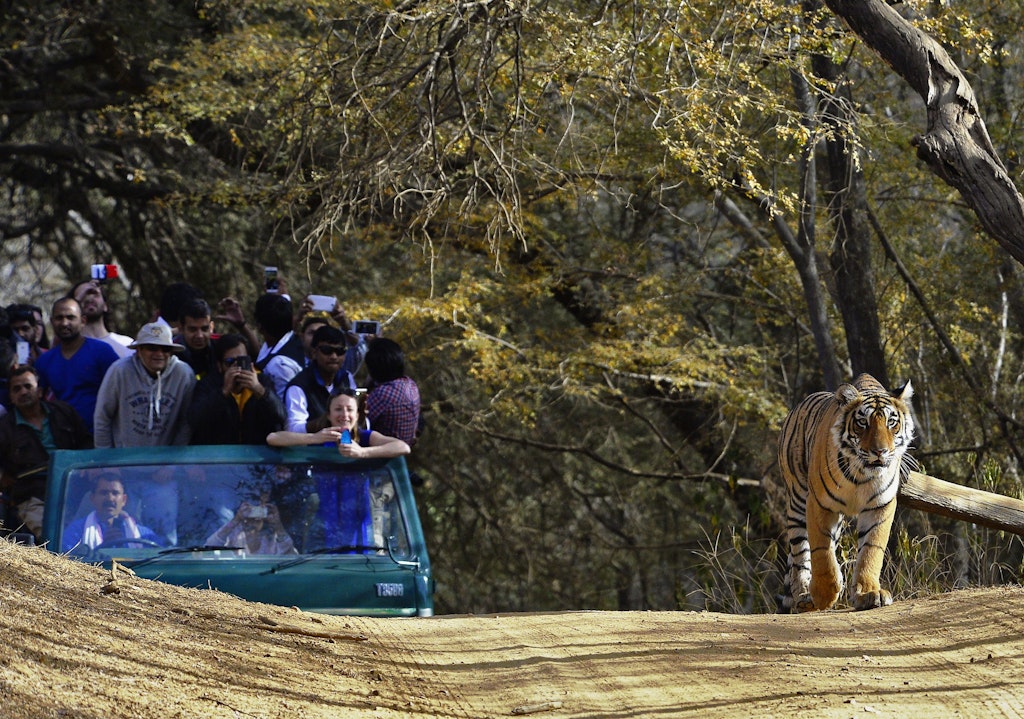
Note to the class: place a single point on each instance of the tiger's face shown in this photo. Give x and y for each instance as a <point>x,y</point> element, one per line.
<point>876,430</point>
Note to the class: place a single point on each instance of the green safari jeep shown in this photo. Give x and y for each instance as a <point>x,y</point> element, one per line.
<point>299,527</point>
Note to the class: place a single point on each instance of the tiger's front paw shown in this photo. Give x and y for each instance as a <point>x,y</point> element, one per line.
<point>871,600</point>
<point>824,593</point>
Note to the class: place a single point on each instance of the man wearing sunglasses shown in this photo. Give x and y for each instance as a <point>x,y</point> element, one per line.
<point>237,403</point>
<point>307,395</point>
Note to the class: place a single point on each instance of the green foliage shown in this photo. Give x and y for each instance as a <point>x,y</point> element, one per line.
<point>570,215</point>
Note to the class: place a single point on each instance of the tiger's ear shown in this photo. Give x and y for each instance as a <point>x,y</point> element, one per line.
<point>846,393</point>
<point>905,392</point>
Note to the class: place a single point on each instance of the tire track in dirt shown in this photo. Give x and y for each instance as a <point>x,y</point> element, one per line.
<point>414,687</point>
<point>958,654</point>
<point>154,651</point>
<point>976,666</point>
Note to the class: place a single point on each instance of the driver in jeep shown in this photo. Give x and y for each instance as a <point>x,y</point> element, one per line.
<point>108,524</point>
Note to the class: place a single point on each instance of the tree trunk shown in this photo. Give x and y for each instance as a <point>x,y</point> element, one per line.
<point>956,145</point>
<point>802,250</point>
<point>851,249</point>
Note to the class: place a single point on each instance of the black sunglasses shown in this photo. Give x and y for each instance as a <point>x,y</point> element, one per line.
<point>331,350</point>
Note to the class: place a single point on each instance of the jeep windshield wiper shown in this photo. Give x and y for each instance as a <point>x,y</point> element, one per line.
<point>344,549</point>
<point>179,550</point>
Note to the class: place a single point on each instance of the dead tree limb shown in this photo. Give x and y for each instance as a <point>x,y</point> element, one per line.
<point>930,494</point>
<point>956,144</point>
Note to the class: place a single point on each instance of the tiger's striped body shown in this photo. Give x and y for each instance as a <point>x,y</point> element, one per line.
<point>843,454</point>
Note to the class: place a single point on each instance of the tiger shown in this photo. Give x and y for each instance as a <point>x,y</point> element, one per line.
<point>843,454</point>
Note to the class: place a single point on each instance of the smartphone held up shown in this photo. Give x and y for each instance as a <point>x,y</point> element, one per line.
<point>366,327</point>
<point>323,303</point>
<point>102,273</point>
<point>270,281</point>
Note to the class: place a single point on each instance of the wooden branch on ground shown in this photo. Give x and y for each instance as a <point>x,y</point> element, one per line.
<point>930,494</point>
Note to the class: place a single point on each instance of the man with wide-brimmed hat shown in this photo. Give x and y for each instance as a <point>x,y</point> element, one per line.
<point>144,399</point>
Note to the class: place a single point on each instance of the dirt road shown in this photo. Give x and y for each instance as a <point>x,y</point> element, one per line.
<point>76,646</point>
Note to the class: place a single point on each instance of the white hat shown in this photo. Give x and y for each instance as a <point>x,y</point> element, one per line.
<point>156,334</point>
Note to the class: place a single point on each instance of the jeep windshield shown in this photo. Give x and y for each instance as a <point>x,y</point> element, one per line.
<point>296,527</point>
<point>253,509</point>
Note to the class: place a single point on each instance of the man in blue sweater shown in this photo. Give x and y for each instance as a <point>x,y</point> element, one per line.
<point>74,369</point>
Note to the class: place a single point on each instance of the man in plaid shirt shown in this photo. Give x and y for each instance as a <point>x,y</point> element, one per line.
<point>393,403</point>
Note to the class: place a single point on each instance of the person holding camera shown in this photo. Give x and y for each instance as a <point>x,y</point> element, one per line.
<point>315,311</point>
<point>95,312</point>
<point>21,319</point>
<point>236,404</point>
<point>256,528</point>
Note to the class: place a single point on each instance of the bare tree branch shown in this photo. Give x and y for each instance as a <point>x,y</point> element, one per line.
<point>604,461</point>
<point>956,144</point>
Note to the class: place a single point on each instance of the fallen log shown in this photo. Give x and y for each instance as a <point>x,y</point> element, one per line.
<point>930,494</point>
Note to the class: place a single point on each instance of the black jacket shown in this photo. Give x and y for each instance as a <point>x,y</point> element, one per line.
<point>215,419</point>
<point>201,362</point>
<point>292,348</point>
<point>24,459</point>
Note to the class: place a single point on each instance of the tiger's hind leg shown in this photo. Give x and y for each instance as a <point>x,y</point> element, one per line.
<point>873,528</point>
<point>798,575</point>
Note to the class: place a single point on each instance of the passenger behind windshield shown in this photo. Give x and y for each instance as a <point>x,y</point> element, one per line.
<point>108,523</point>
<point>255,528</point>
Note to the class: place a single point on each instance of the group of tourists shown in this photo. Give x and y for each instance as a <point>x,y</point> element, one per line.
<point>288,378</point>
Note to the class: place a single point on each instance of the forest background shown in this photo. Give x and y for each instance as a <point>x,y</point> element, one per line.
<point>618,240</point>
